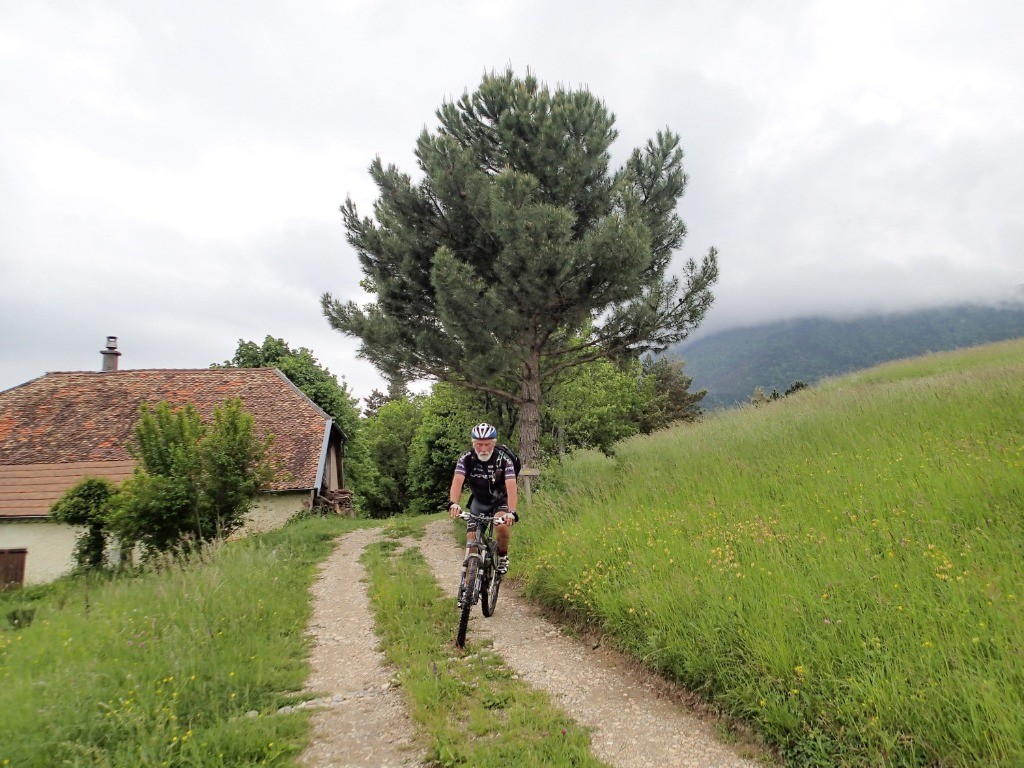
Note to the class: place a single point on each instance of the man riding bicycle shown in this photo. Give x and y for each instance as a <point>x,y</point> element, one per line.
<point>491,477</point>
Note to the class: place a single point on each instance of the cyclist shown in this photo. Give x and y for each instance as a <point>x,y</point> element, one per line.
<point>491,477</point>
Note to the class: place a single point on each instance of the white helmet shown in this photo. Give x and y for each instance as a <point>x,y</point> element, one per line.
<point>484,431</point>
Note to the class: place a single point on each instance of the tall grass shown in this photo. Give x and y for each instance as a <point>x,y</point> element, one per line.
<point>843,569</point>
<point>182,666</point>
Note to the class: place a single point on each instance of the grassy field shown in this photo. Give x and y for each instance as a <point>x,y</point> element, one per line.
<point>185,666</point>
<point>842,568</point>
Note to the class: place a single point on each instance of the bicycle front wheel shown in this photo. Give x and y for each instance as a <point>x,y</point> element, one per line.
<point>468,590</point>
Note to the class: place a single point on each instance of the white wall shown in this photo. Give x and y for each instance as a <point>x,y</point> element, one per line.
<point>274,510</point>
<point>50,547</point>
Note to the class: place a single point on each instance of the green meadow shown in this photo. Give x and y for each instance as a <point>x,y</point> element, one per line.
<point>186,665</point>
<point>840,569</point>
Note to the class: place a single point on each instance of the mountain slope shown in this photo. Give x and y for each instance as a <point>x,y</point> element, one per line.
<point>730,364</point>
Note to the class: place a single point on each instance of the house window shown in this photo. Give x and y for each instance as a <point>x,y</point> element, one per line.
<point>12,567</point>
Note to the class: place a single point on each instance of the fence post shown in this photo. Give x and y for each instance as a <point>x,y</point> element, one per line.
<point>527,475</point>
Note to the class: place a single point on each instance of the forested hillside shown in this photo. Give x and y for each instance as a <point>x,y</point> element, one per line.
<point>730,364</point>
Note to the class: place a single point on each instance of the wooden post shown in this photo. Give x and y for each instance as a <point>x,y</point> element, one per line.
<point>527,476</point>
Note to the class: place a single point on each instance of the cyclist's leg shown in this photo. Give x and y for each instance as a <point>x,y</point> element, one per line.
<point>502,533</point>
<point>471,524</point>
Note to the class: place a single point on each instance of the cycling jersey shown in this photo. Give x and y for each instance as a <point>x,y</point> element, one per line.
<point>486,479</point>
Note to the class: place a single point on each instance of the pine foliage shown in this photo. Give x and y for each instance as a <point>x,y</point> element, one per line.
<point>516,237</point>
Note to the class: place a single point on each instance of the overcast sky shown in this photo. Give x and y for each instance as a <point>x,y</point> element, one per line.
<point>171,172</point>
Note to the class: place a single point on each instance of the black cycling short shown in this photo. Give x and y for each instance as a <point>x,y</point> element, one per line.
<point>479,508</point>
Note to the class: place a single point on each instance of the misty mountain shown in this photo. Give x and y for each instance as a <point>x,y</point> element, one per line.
<point>731,363</point>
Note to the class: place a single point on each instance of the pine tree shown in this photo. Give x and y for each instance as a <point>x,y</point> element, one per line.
<point>518,237</point>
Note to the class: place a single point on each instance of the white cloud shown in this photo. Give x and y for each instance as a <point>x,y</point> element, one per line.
<point>173,172</point>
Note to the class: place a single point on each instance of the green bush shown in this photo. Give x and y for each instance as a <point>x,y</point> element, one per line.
<point>193,483</point>
<point>87,504</point>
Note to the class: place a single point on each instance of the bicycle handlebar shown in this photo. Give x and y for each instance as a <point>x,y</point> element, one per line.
<point>470,516</point>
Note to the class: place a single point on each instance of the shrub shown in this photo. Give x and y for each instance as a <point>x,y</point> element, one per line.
<point>193,483</point>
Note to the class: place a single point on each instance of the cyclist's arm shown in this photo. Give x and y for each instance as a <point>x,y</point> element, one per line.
<point>513,492</point>
<point>455,492</point>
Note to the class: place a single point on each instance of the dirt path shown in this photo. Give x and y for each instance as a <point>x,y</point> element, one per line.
<point>361,719</point>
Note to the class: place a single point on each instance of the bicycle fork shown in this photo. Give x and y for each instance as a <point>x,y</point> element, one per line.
<point>471,592</point>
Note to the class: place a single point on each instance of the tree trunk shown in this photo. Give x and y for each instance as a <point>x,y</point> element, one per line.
<point>529,412</point>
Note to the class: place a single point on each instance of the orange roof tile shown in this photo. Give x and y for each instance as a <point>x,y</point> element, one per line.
<point>60,423</point>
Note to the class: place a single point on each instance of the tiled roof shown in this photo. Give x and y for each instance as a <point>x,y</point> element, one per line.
<point>29,490</point>
<point>87,418</point>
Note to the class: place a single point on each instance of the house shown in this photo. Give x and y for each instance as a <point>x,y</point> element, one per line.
<point>61,427</point>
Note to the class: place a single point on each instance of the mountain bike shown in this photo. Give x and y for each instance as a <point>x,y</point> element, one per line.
<point>480,579</point>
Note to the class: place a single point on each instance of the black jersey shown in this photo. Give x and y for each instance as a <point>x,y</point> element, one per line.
<point>486,479</point>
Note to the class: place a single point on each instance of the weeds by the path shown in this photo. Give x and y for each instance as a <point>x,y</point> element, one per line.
<point>472,709</point>
<point>183,666</point>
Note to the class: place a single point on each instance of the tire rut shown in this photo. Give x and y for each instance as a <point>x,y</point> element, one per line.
<point>361,720</point>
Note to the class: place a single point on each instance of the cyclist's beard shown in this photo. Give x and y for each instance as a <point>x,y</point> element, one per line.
<point>484,456</point>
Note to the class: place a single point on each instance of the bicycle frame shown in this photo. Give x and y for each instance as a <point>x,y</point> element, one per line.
<point>478,577</point>
<point>482,549</point>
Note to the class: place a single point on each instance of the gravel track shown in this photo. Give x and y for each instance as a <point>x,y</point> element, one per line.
<point>636,720</point>
<point>361,719</point>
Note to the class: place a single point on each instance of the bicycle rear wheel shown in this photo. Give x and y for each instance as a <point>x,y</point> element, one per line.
<point>489,596</point>
<point>468,598</point>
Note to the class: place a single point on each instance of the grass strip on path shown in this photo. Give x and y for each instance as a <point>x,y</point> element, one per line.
<point>471,707</point>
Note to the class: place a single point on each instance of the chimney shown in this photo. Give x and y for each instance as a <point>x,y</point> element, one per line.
<point>110,354</point>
